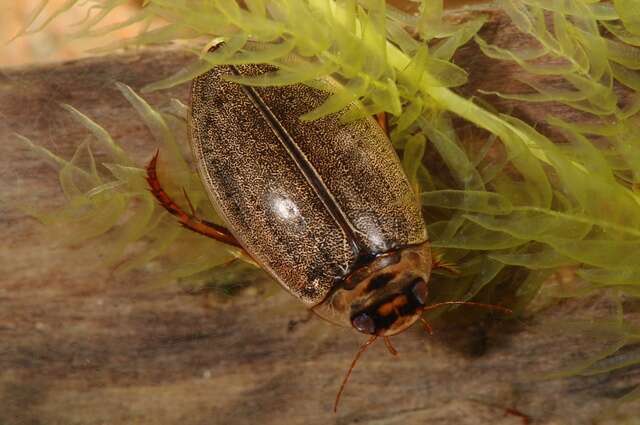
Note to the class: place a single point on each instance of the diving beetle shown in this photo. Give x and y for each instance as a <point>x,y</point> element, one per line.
<point>323,206</point>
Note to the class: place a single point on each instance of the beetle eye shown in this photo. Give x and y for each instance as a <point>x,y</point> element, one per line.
<point>364,323</point>
<point>419,291</point>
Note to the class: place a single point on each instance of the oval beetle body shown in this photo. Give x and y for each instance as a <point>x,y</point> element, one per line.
<point>324,206</point>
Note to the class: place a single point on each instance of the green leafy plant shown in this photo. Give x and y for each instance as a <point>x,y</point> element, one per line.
<point>509,208</point>
<point>539,206</point>
<point>112,200</point>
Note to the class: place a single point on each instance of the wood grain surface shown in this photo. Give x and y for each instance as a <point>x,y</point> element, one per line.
<point>78,346</point>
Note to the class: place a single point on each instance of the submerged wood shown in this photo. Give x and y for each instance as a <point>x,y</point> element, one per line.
<point>80,347</point>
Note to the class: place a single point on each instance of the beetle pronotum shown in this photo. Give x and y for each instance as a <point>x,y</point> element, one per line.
<point>323,206</point>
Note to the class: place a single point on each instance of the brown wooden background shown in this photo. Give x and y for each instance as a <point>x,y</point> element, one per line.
<point>79,347</point>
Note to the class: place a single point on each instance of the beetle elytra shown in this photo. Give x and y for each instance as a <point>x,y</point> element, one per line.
<point>323,206</point>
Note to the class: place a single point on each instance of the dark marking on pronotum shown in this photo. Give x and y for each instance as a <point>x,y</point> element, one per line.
<point>386,311</point>
<point>380,281</point>
<point>366,270</point>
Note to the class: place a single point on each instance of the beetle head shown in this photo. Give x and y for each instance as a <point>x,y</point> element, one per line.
<point>393,313</point>
<point>385,296</point>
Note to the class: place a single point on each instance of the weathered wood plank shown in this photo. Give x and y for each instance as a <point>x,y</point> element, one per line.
<point>78,347</point>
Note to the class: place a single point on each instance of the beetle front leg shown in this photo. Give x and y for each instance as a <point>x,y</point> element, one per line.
<point>383,122</point>
<point>190,221</point>
<point>438,262</point>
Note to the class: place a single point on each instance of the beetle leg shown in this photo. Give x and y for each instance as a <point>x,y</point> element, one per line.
<point>390,347</point>
<point>438,262</point>
<point>383,121</point>
<point>526,419</point>
<point>427,326</point>
<point>190,221</point>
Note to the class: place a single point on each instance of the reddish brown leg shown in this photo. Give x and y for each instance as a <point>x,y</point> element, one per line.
<point>427,326</point>
<point>437,262</point>
<point>383,121</point>
<point>390,347</point>
<point>190,221</point>
<point>526,419</point>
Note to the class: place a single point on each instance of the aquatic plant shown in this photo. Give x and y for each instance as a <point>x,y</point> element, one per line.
<point>508,207</point>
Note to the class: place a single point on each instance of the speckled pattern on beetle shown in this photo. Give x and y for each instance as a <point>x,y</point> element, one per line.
<point>323,206</point>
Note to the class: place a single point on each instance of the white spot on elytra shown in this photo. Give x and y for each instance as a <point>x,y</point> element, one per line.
<point>285,208</point>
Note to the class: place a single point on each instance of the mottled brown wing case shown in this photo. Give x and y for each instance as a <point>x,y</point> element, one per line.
<point>304,199</point>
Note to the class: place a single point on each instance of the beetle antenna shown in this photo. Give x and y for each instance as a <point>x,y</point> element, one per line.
<point>362,349</point>
<point>488,306</point>
<point>390,347</point>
